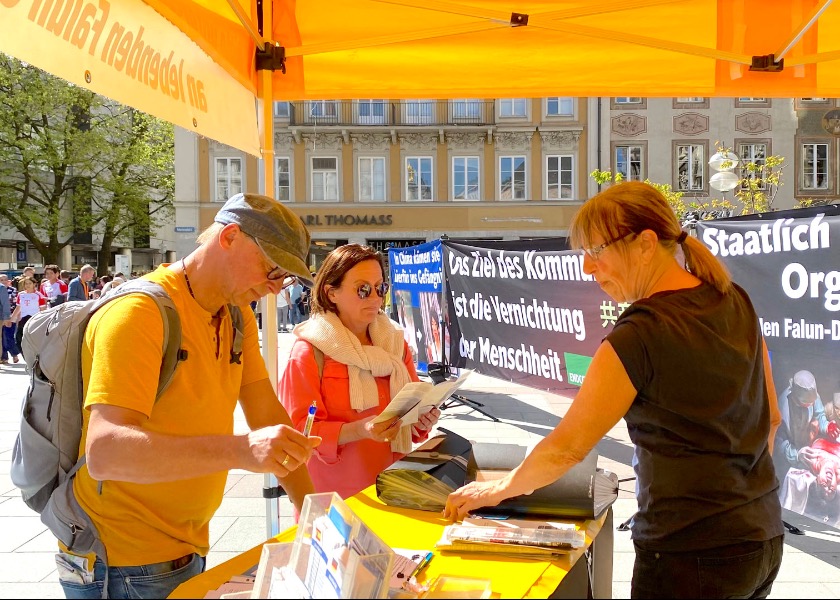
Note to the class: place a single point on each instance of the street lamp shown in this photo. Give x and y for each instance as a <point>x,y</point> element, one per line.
<point>724,163</point>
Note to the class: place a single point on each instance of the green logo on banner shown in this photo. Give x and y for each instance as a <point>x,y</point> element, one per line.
<point>576,367</point>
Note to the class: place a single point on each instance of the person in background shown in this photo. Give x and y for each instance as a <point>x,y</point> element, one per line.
<point>709,523</point>
<point>65,276</point>
<point>114,283</point>
<point>30,304</point>
<point>10,347</point>
<point>163,464</point>
<point>5,319</point>
<point>28,273</point>
<point>366,361</point>
<point>803,420</point>
<point>52,287</point>
<point>78,288</point>
<point>295,299</point>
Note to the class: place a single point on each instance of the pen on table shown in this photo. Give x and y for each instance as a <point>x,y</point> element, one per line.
<point>310,418</point>
<point>421,565</point>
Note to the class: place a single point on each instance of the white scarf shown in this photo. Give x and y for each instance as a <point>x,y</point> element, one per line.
<point>384,358</point>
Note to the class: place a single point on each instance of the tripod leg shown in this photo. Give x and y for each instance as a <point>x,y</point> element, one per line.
<point>471,404</point>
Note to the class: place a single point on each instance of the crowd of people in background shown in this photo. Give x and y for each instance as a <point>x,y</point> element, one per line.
<point>55,286</point>
<point>29,293</point>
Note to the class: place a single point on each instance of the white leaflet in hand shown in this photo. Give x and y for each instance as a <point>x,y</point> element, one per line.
<point>418,397</point>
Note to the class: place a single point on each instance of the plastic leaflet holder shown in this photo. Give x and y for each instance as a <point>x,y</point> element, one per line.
<point>334,555</point>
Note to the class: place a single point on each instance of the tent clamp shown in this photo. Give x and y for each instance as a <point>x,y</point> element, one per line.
<point>518,19</point>
<point>271,59</point>
<point>767,64</point>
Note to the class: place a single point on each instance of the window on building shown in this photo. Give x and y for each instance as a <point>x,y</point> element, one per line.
<point>512,178</point>
<point>814,166</point>
<point>324,109</point>
<point>628,162</point>
<point>691,102</point>
<point>418,178</point>
<point>370,112</point>
<point>690,167</point>
<point>372,179</point>
<point>228,178</point>
<point>465,108</point>
<point>324,179</point>
<point>753,153</point>
<point>752,102</point>
<point>419,112</point>
<point>283,177</point>
<point>559,107</point>
<point>465,178</point>
<point>513,107</point>
<point>559,177</point>
<point>281,110</point>
<point>628,100</point>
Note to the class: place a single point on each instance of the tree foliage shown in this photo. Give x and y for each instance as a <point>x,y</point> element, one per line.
<point>73,162</point>
<point>755,193</point>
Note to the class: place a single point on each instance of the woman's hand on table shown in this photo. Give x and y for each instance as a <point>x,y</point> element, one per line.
<point>473,496</point>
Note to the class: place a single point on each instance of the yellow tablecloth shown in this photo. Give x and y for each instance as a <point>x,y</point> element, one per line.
<point>416,529</point>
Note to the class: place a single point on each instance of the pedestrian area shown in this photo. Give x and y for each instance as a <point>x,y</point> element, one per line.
<point>810,569</point>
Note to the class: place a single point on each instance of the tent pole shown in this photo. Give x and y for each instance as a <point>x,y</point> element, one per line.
<point>809,21</point>
<point>265,121</point>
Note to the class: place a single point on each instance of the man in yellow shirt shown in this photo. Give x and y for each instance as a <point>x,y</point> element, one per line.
<point>156,471</point>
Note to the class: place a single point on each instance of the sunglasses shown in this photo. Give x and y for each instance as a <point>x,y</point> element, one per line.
<point>365,290</point>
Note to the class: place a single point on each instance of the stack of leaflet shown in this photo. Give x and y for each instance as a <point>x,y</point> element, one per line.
<point>423,479</point>
<point>514,537</point>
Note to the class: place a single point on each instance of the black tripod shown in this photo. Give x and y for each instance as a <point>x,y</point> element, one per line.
<point>439,373</point>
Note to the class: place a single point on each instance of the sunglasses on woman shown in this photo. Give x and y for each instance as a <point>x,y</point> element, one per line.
<point>365,290</point>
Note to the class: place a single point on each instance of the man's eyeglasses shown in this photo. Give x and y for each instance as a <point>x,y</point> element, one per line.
<point>595,252</point>
<point>365,290</point>
<point>274,274</point>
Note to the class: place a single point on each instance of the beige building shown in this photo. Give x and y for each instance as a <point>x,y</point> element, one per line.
<point>372,170</point>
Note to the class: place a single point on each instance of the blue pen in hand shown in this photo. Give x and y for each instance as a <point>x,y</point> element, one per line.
<point>310,419</point>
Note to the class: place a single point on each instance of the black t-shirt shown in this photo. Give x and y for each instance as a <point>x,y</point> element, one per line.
<point>700,420</point>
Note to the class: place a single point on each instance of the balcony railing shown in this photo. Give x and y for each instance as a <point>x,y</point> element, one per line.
<point>363,113</point>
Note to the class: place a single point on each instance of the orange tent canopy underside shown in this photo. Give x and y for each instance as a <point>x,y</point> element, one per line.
<point>434,49</point>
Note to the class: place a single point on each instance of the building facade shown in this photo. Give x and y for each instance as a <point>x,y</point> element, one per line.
<point>400,172</point>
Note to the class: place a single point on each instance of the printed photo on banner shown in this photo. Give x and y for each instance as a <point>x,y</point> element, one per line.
<point>417,282</point>
<point>787,262</point>
<point>405,317</point>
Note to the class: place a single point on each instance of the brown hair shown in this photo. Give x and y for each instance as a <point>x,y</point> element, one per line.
<point>333,270</point>
<point>632,207</point>
<point>53,268</point>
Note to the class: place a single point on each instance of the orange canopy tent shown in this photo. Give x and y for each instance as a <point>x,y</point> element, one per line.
<point>201,63</point>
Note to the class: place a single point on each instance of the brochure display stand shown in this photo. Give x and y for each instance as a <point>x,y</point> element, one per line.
<point>334,555</point>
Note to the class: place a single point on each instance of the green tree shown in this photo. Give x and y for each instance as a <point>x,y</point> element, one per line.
<point>44,147</point>
<point>134,189</point>
<point>74,164</point>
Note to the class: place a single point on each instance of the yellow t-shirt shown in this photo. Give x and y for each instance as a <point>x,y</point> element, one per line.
<point>121,356</point>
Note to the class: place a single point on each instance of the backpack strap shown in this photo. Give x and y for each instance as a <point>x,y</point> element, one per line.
<point>172,352</point>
